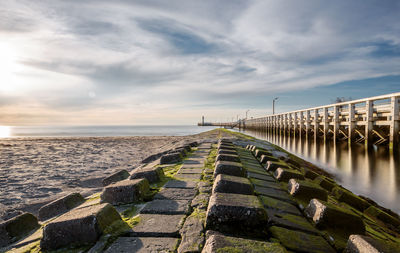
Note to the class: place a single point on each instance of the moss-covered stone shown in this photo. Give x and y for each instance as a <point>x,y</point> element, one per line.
<point>152,174</point>
<point>125,192</point>
<point>381,215</point>
<point>279,205</point>
<point>232,184</point>
<point>265,158</point>
<point>300,241</point>
<point>115,177</point>
<point>220,244</point>
<point>306,190</point>
<point>78,227</point>
<point>358,243</point>
<point>60,206</point>
<point>17,227</point>
<point>284,175</point>
<point>349,198</point>
<point>325,183</point>
<point>229,168</point>
<point>271,166</point>
<point>290,221</point>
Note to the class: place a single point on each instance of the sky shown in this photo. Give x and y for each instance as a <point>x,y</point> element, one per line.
<point>161,62</point>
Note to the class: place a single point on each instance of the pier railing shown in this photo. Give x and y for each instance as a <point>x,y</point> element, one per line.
<point>373,120</point>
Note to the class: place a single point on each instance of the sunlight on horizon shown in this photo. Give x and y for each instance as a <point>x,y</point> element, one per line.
<point>5,131</point>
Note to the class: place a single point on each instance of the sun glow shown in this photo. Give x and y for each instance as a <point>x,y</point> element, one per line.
<point>5,131</point>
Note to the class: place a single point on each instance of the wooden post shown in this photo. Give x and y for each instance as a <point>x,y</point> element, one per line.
<point>394,123</point>
<point>336,122</point>
<point>368,122</point>
<point>326,123</point>
<point>316,123</point>
<point>351,123</point>
<point>301,124</point>
<point>295,123</point>
<point>308,122</point>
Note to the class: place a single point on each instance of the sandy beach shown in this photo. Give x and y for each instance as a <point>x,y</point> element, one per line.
<point>34,171</point>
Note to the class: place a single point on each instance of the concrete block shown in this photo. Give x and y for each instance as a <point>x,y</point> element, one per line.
<point>383,216</point>
<point>274,193</point>
<point>325,183</point>
<point>365,244</point>
<point>171,158</point>
<point>349,198</point>
<point>306,191</point>
<point>279,205</point>
<point>158,225</point>
<point>176,194</point>
<point>286,174</point>
<point>192,233</point>
<point>166,206</point>
<point>271,166</point>
<point>265,158</point>
<point>227,152</point>
<point>115,177</point>
<point>259,152</point>
<point>60,206</point>
<point>231,184</point>
<point>226,147</point>
<point>235,212</point>
<point>228,158</point>
<point>152,174</point>
<point>143,245</point>
<point>78,227</point>
<point>310,174</point>
<point>15,228</point>
<point>326,215</point>
<point>180,184</point>
<point>200,201</point>
<point>229,168</point>
<point>125,192</point>
<point>300,242</point>
<point>220,243</point>
<point>290,221</point>
<point>265,177</point>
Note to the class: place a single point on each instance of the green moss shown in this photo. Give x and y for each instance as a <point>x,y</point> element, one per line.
<point>239,245</point>
<point>107,216</point>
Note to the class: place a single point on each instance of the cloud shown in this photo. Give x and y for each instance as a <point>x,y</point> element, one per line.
<point>181,57</point>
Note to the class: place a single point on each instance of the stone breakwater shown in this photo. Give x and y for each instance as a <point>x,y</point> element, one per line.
<point>234,194</point>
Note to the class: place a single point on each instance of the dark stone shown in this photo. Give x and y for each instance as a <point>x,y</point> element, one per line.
<point>78,227</point>
<point>171,158</point>
<point>259,152</point>
<point>180,184</point>
<point>200,201</point>
<point>218,243</point>
<point>253,148</point>
<point>125,192</point>
<point>143,245</point>
<point>310,174</point>
<point>279,205</point>
<point>271,166</point>
<point>158,225</point>
<point>190,171</point>
<point>325,183</point>
<point>300,241</point>
<point>193,144</point>
<point>228,158</point>
<point>192,235</point>
<point>383,216</point>
<point>327,215</point>
<point>286,174</point>
<point>265,158</point>
<point>231,184</point>
<point>188,176</point>
<point>290,221</point>
<point>349,198</point>
<point>115,177</point>
<point>166,206</point>
<point>265,183</point>
<point>259,176</point>
<point>235,212</point>
<point>226,147</point>
<point>306,191</point>
<point>176,193</point>
<point>152,174</point>
<point>227,152</point>
<point>60,206</point>
<point>152,158</point>
<point>17,227</point>
<point>274,193</point>
<point>187,148</point>
<point>229,168</point>
<point>361,244</point>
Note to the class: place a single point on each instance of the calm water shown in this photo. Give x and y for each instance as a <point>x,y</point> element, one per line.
<point>374,173</point>
<point>69,131</point>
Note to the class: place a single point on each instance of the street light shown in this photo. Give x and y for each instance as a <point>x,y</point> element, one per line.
<point>273,105</point>
<point>247,112</point>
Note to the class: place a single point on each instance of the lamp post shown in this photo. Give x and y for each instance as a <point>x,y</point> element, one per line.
<point>273,105</point>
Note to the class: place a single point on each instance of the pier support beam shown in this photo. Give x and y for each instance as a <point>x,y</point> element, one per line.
<point>326,123</point>
<point>394,123</point>
<point>336,122</point>
<point>316,123</point>
<point>351,123</point>
<point>369,122</point>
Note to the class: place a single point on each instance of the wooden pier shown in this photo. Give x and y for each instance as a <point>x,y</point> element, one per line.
<point>373,120</point>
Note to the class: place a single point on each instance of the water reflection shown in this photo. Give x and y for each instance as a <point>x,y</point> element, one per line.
<point>372,172</point>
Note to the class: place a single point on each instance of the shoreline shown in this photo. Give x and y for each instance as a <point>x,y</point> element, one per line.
<point>37,170</point>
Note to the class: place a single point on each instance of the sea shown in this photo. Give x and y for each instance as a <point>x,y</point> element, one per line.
<point>101,131</point>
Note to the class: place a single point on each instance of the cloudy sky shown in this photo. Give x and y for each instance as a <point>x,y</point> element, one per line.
<point>170,62</point>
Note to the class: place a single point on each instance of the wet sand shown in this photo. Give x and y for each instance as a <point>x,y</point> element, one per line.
<point>34,171</point>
